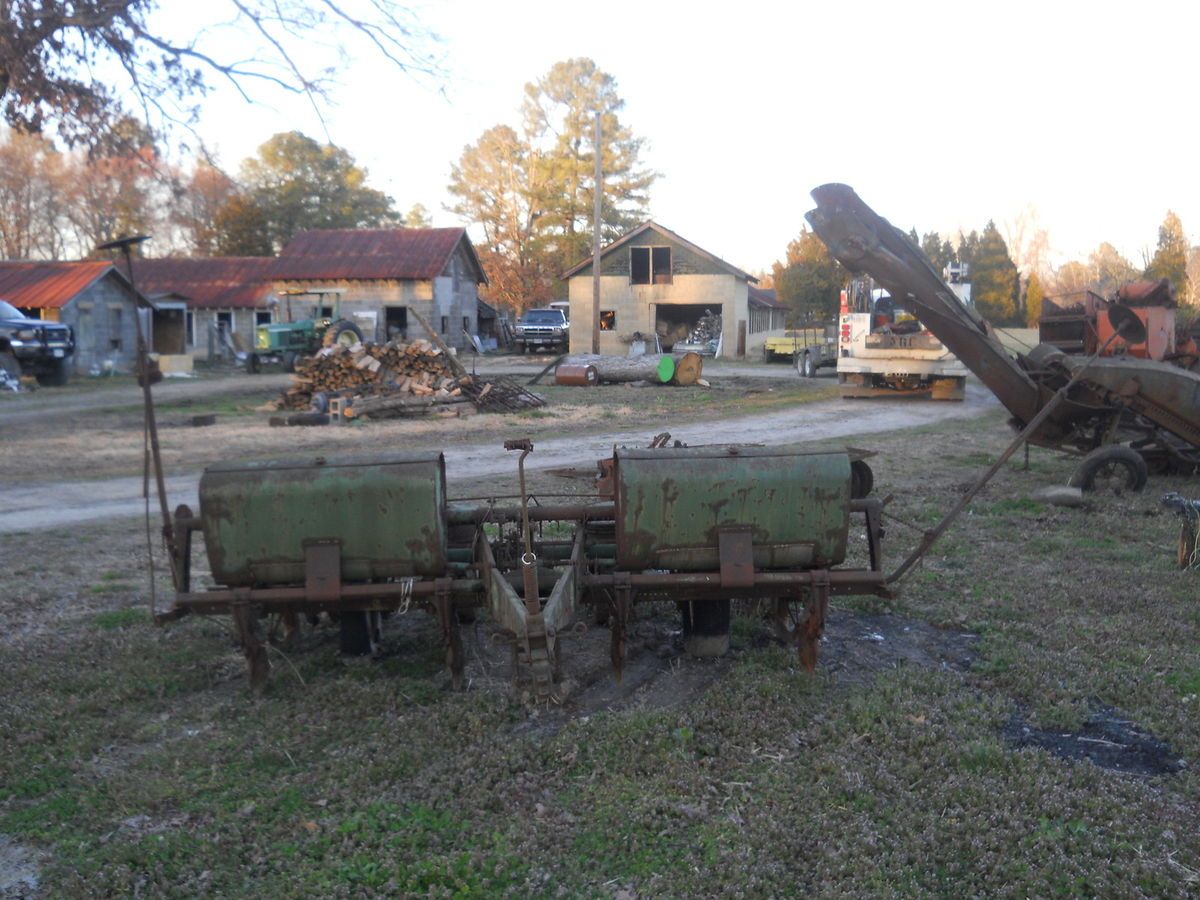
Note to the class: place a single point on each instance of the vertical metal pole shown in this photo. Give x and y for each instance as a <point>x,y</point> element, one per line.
<point>596,212</point>
<point>151,422</point>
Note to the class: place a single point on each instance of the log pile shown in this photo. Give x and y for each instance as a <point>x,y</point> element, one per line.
<point>395,379</point>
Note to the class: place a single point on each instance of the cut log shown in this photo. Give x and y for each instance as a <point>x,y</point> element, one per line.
<point>688,369</point>
<point>618,369</point>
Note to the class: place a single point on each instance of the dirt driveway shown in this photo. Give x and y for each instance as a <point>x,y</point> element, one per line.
<point>26,507</point>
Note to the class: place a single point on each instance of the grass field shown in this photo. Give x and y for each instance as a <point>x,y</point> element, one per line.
<point>134,761</point>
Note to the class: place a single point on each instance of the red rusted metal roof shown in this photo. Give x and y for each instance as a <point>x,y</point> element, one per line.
<point>217,282</point>
<point>371,253</point>
<point>49,285</point>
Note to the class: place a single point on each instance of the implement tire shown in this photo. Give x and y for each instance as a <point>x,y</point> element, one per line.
<point>1113,469</point>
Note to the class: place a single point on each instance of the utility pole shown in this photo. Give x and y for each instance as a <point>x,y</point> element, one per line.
<point>599,185</point>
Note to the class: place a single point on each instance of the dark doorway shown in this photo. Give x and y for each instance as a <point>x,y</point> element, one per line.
<point>395,322</point>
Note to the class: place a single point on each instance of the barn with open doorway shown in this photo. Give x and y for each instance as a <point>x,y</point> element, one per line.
<point>655,283</point>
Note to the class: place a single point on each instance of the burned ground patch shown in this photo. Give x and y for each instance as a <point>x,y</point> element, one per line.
<point>1108,739</point>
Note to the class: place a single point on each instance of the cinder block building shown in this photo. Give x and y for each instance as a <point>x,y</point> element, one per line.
<point>94,298</point>
<point>654,281</point>
<point>383,275</point>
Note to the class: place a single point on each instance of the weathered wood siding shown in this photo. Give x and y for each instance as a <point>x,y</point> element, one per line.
<point>103,320</point>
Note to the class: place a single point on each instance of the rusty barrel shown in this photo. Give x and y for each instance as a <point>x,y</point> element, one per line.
<point>575,375</point>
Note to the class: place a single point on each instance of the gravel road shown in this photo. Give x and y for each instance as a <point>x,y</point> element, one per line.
<point>31,506</point>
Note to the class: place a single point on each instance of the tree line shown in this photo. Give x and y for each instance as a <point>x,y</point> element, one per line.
<point>58,204</point>
<point>808,280</point>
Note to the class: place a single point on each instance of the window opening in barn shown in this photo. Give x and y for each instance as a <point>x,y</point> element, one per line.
<point>115,325</point>
<point>191,328</point>
<point>608,320</point>
<point>639,265</point>
<point>262,317</point>
<point>661,264</point>
<point>225,322</point>
<point>395,322</point>
<point>325,312</point>
<point>467,324</point>
<point>445,324</point>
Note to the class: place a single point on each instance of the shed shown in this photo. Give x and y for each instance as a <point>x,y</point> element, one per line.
<point>93,297</point>
<point>653,280</point>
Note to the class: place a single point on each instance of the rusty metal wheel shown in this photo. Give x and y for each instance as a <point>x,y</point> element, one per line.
<point>1113,469</point>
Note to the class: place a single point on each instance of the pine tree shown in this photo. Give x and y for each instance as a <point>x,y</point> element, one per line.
<point>939,253</point>
<point>1171,255</point>
<point>993,277</point>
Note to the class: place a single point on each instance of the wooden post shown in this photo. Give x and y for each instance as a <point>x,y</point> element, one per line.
<point>596,211</point>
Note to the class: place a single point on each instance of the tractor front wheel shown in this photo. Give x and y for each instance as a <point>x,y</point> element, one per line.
<point>342,332</point>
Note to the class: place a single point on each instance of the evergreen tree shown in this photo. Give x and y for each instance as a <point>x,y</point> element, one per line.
<point>994,282</point>
<point>533,192</point>
<point>1171,255</point>
<point>939,253</point>
<point>968,247</point>
<point>1034,295</point>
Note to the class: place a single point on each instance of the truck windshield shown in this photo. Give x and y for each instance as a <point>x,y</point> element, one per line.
<point>544,317</point>
<point>8,311</point>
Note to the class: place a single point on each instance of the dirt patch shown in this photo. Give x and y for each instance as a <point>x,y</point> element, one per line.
<point>659,675</point>
<point>19,870</point>
<point>1107,739</point>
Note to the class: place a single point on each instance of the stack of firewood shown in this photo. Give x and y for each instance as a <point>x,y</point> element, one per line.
<point>395,379</point>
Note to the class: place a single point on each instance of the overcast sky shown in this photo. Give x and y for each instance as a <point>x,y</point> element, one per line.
<point>941,115</point>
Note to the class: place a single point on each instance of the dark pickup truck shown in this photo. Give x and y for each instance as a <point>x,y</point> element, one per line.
<point>543,329</point>
<point>34,347</point>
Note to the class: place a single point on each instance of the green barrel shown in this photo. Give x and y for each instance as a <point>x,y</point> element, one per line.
<point>387,511</point>
<point>671,505</point>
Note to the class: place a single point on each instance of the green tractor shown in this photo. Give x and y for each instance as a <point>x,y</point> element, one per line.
<point>283,342</point>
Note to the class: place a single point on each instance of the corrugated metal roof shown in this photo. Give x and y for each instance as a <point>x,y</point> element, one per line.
<point>49,285</point>
<point>369,253</point>
<point>217,282</point>
<point>764,297</point>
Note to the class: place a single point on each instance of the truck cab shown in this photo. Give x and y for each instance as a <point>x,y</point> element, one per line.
<point>543,329</point>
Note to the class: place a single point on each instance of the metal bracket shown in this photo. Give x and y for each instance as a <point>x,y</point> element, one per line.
<point>451,636</point>
<point>323,570</point>
<point>258,666</point>
<point>622,607</point>
<point>809,634</point>
<point>735,548</point>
